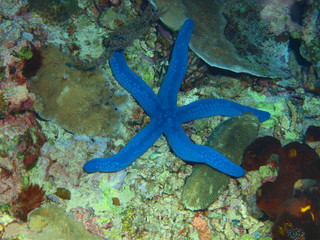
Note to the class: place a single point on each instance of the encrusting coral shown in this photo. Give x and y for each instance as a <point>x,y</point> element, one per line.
<point>81,102</point>
<point>50,222</point>
<point>231,35</point>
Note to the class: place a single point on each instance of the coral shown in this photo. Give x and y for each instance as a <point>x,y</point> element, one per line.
<point>309,32</point>
<point>89,220</point>
<point>196,73</point>
<point>81,102</point>
<point>101,4</point>
<point>21,140</point>
<point>295,211</point>
<point>232,35</point>
<point>28,199</point>
<point>54,12</point>
<point>174,14</point>
<point>120,37</point>
<point>51,222</point>
<point>205,184</point>
<point>166,117</point>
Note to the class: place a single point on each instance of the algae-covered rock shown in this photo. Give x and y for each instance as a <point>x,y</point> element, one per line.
<point>81,102</point>
<point>51,222</point>
<point>54,12</point>
<point>230,138</point>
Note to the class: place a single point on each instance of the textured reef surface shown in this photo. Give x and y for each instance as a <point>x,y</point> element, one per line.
<point>61,106</point>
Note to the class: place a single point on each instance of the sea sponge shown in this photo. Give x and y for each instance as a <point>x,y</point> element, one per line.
<point>292,200</point>
<point>296,161</point>
<point>81,102</point>
<point>299,216</point>
<point>259,152</point>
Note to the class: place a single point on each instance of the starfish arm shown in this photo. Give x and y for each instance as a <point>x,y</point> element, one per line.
<point>188,151</point>
<point>209,107</point>
<point>143,94</point>
<point>177,67</point>
<point>138,145</point>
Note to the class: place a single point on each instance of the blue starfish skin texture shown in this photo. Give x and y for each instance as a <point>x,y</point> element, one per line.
<point>167,117</point>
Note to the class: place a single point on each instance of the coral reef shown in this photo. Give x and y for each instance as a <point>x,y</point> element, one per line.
<point>52,222</point>
<point>81,102</point>
<point>296,213</point>
<point>144,200</point>
<point>121,36</point>
<point>21,140</point>
<point>309,33</point>
<point>160,107</point>
<point>54,12</point>
<point>223,39</point>
<point>205,184</point>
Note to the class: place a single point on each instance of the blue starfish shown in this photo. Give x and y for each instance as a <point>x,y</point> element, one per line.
<point>167,117</point>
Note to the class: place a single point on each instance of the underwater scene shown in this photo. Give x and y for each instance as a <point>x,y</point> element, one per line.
<point>160,119</point>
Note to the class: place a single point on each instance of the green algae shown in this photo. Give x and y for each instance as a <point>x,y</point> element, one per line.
<point>230,138</point>
<point>24,53</point>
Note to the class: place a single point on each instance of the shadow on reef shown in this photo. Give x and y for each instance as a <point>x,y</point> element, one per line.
<point>292,201</point>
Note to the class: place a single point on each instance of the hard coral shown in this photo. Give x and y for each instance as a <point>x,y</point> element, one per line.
<point>54,12</point>
<point>27,200</point>
<point>231,35</point>
<point>205,184</point>
<point>68,96</point>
